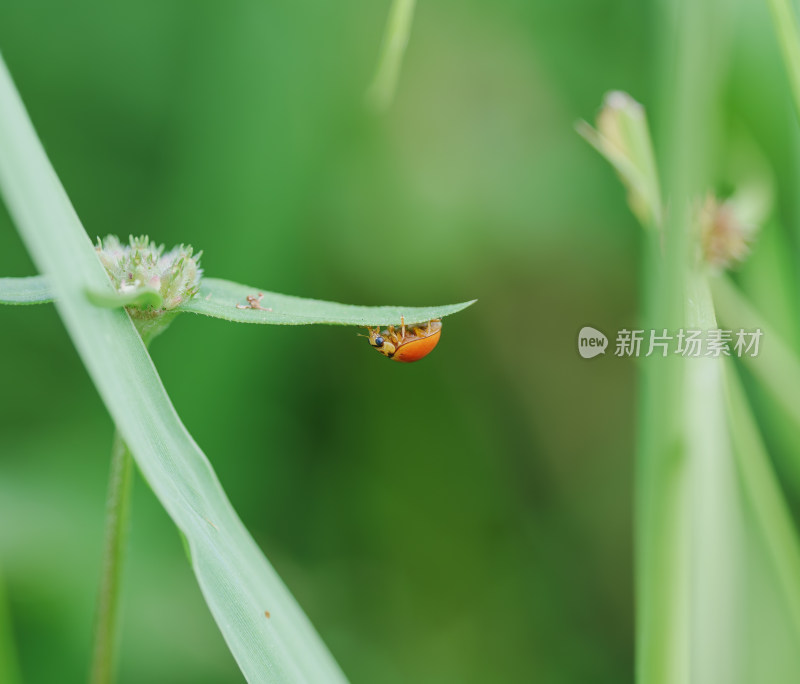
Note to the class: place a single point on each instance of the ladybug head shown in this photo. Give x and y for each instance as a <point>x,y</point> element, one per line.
<point>381,343</point>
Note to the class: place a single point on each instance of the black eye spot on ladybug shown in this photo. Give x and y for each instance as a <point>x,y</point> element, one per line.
<point>378,342</point>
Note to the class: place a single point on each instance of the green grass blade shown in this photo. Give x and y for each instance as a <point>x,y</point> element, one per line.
<point>691,534</point>
<point>715,521</point>
<point>236,580</point>
<point>227,300</point>
<point>766,498</point>
<point>30,290</point>
<point>395,40</point>
<point>776,366</point>
<point>785,22</point>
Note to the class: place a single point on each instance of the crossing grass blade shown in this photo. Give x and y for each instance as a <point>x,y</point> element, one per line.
<point>236,579</point>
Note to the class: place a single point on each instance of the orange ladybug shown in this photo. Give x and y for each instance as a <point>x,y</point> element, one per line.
<point>408,345</point>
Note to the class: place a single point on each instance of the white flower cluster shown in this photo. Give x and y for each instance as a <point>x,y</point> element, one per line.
<point>143,266</point>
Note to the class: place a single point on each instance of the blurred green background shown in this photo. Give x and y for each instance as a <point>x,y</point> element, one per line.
<point>465,519</point>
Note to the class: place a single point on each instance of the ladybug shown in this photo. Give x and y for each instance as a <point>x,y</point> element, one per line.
<point>410,344</point>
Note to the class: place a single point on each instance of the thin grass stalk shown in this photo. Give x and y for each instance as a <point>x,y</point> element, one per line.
<point>9,662</point>
<point>118,501</point>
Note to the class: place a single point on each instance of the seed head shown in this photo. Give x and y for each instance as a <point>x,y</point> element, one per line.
<point>142,266</point>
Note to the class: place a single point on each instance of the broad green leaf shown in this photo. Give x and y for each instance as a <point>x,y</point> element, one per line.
<point>29,290</point>
<point>237,582</point>
<point>224,299</point>
<point>229,301</point>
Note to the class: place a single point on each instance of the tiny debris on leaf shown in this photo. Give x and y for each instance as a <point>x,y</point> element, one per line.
<point>254,302</point>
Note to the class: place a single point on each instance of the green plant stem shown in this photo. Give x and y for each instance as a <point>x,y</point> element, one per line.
<point>677,636</point>
<point>116,535</point>
<point>785,22</point>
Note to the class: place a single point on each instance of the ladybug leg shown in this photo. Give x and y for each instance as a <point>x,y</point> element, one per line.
<point>396,339</point>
